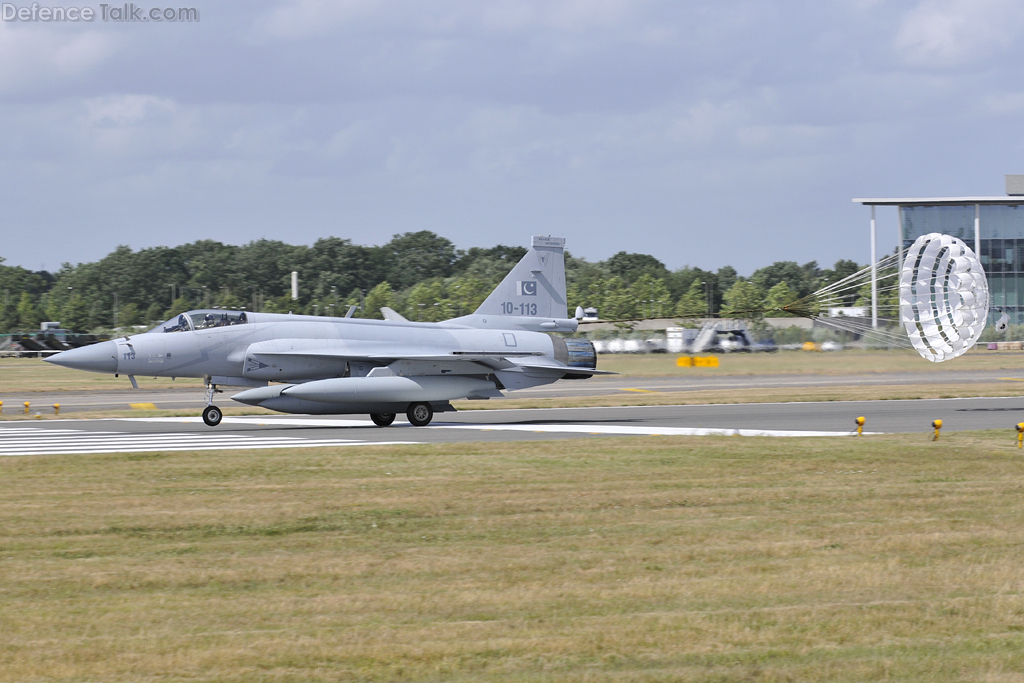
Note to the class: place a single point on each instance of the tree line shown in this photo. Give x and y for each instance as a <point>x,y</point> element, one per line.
<point>420,274</point>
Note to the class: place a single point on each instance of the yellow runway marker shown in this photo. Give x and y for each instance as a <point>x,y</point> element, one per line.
<point>1011,379</point>
<point>640,391</point>
<point>142,406</point>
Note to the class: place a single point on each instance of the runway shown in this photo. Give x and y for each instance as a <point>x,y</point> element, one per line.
<point>834,418</point>
<point>192,398</point>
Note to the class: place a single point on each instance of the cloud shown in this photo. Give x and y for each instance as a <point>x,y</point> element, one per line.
<point>700,131</point>
<point>950,33</point>
<point>33,54</point>
<point>296,19</point>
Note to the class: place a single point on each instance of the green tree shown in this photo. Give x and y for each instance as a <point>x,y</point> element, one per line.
<point>129,315</point>
<point>489,265</point>
<point>225,300</point>
<point>415,257</point>
<point>617,301</point>
<point>424,302</point>
<point>466,293</point>
<point>801,280</point>
<point>693,303</point>
<point>778,296</point>
<point>841,270</point>
<point>631,267</point>
<point>652,296</point>
<point>742,299</point>
<point>181,304</point>
<point>28,315</point>
<point>378,297</point>
<point>154,315</point>
<point>8,316</point>
<point>75,315</point>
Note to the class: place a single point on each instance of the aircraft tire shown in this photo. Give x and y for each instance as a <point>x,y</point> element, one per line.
<point>419,414</point>
<point>212,415</point>
<point>382,419</point>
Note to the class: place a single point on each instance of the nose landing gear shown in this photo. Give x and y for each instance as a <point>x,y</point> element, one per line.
<point>211,413</point>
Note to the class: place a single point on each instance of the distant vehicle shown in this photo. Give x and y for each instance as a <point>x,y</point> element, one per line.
<point>726,336</point>
<point>329,366</point>
<point>679,339</point>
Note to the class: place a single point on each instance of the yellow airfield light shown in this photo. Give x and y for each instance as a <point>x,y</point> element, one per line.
<point>860,426</point>
<point>936,425</point>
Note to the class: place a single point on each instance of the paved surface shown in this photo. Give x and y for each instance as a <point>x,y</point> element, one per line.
<point>192,398</point>
<point>768,419</point>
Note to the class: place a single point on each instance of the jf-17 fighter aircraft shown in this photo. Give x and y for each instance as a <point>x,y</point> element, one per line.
<point>318,365</point>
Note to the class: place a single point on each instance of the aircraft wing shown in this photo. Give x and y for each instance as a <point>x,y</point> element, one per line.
<point>493,360</point>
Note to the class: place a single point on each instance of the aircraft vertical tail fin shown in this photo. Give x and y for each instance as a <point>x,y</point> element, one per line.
<point>534,289</point>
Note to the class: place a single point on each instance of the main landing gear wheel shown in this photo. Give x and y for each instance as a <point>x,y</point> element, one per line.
<point>420,414</point>
<point>212,415</point>
<point>382,419</point>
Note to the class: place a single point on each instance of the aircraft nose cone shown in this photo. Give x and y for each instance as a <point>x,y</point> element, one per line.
<point>101,357</point>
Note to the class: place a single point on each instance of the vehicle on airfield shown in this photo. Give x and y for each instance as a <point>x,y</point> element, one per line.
<point>332,366</point>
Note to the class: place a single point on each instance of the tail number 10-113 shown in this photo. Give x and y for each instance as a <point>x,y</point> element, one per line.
<point>509,308</point>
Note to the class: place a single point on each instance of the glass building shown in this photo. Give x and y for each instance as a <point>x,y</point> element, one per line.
<point>992,226</point>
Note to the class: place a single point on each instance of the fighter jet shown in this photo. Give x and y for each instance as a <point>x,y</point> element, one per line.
<point>321,365</point>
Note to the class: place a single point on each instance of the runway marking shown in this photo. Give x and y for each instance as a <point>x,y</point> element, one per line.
<point>1011,379</point>
<point>42,441</point>
<point>640,391</point>
<point>618,430</point>
<point>262,420</point>
<point>626,430</point>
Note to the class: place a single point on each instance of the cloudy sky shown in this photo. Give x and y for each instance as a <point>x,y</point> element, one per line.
<point>705,133</point>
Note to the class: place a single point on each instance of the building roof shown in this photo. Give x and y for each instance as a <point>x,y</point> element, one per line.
<point>940,201</point>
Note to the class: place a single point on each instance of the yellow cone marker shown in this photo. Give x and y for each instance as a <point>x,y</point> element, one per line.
<point>860,426</point>
<point>936,425</point>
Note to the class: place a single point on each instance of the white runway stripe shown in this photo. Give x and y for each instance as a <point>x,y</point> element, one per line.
<point>594,428</point>
<point>40,441</point>
<point>626,430</point>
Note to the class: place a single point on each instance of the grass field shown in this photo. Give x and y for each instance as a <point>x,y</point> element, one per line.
<point>646,559</point>
<point>23,375</point>
<point>811,363</point>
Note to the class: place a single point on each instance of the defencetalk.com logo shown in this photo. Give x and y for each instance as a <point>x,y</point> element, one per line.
<point>127,12</point>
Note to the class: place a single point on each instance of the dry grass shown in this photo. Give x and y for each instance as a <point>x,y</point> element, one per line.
<point>810,363</point>
<point>647,559</point>
<point>19,375</point>
<point>836,392</point>
<point>24,375</point>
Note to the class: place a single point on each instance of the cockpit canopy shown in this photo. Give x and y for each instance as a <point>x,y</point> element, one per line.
<point>202,320</point>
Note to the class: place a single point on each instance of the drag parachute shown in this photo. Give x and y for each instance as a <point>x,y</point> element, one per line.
<point>943,297</point>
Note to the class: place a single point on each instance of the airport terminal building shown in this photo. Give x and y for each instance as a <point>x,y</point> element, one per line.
<point>992,226</point>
